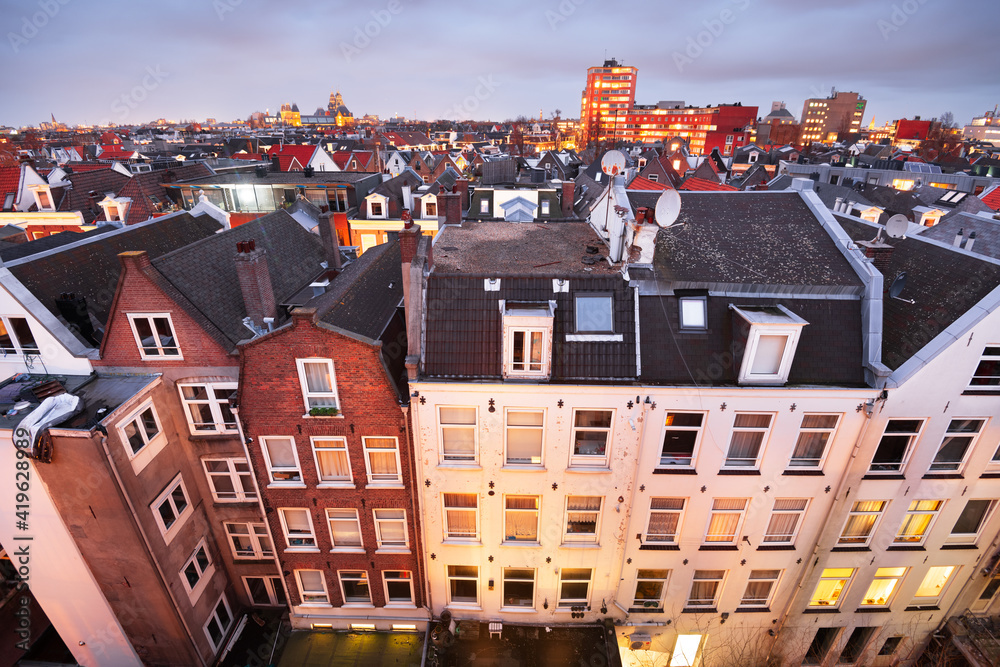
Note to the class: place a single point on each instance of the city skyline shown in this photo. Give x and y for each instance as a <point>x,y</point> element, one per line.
<point>426,60</point>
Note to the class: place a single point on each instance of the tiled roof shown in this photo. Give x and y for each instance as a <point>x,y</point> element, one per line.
<point>341,158</point>
<point>366,296</point>
<point>640,183</point>
<point>992,198</point>
<point>10,179</point>
<point>255,157</point>
<point>987,232</point>
<point>295,177</point>
<point>101,181</point>
<point>303,153</point>
<point>701,184</point>
<point>11,251</point>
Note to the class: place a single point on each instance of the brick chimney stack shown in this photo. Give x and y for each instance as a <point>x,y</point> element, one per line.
<point>568,191</point>
<point>255,282</point>
<point>879,252</point>
<point>328,234</point>
<point>134,260</point>
<point>463,191</point>
<point>450,206</point>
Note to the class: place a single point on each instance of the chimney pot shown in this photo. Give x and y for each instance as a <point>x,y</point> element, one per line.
<point>958,238</point>
<point>972,239</point>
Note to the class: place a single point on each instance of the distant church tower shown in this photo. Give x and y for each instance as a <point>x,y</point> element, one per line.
<point>336,101</point>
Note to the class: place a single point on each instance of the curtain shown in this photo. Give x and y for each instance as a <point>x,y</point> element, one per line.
<point>332,464</point>
<point>703,592</point>
<point>382,463</point>
<point>743,448</point>
<point>757,592</point>
<point>809,449</point>
<point>858,527</point>
<point>297,521</point>
<point>722,528</point>
<point>318,377</point>
<point>662,527</point>
<point>280,452</point>
<point>459,441</point>
<point>345,528</point>
<point>461,523</point>
<point>591,503</point>
<point>391,526</point>
<point>914,527</point>
<point>781,528</point>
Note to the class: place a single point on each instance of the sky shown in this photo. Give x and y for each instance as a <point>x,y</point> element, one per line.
<point>135,61</point>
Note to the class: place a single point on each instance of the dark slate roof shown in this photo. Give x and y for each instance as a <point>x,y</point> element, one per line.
<point>944,283</point>
<point>204,273</point>
<point>365,297</point>
<point>91,268</point>
<point>100,181</point>
<point>281,177</point>
<point>751,238</point>
<point>829,193</point>
<point>987,232</point>
<point>11,251</point>
<point>393,188</point>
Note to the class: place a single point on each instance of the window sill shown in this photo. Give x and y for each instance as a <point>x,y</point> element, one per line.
<point>872,610</point>
<point>645,610</point>
<point>286,485</point>
<point>953,547</point>
<point>309,416</point>
<point>464,606</point>
<point>518,610</point>
<point>990,475</point>
<point>753,610</point>
<point>821,610</point>
<point>579,545</point>
<point>383,485</point>
<point>336,485</point>
<point>776,547</point>
<point>699,610</point>
<point>400,605</point>
<point>659,547</point>
<point>719,547</point>
<point>739,471</point>
<point>202,435</point>
<point>594,338</point>
<point>357,605</point>
<point>675,471</point>
<point>456,465</point>
<point>462,543</point>
<point>523,467</point>
<point>894,476</point>
<point>905,547</point>
<point>943,475</point>
<point>231,501</point>
<point>302,550</point>
<point>347,550</point>
<point>315,605</point>
<point>525,543</point>
<point>979,392</point>
<point>803,473</point>
<point>393,550</point>
<point>932,607</point>
<point>851,549</point>
<point>588,469</point>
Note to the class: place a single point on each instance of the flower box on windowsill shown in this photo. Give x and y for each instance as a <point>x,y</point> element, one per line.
<point>324,412</point>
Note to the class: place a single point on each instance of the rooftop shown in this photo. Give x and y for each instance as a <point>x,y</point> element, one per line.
<point>283,177</point>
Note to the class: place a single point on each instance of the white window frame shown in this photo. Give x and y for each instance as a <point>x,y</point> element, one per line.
<point>831,432</point>
<point>300,366</point>
<point>254,533</point>
<point>204,572</point>
<point>566,603</point>
<point>791,327</point>
<point>38,191</point>
<point>913,437</point>
<point>702,312</point>
<point>765,437</point>
<point>651,538</point>
<point>363,578</point>
<point>271,470</point>
<point>214,617</point>
<point>453,458</point>
<point>505,578</point>
<point>242,493</point>
<point>643,604</point>
<point>972,538</point>
<point>347,482</point>
<point>161,354</point>
<point>991,354</point>
<point>152,446</point>
<point>776,511</point>
<point>407,578</point>
<point>934,600</point>
<point>16,346</point>
<point>311,535</point>
<point>957,466</point>
<point>379,521</point>
<point>836,574</point>
<point>484,205</point>
<point>218,425</point>
<point>457,577</point>
<point>591,460</point>
<point>324,602</point>
<point>742,512</point>
<point>330,519</point>
<point>540,428</point>
<point>582,538</point>
<point>915,510</point>
<point>510,512</point>
<point>397,479</point>
<point>180,517</point>
<point>272,586</point>
<point>459,508</point>
<point>545,207</point>
<point>756,603</point>
<point>527,318</point>
<point>856,511</point>
<point>885,576</point>
<point>676,462</point>
<point>702,603</point>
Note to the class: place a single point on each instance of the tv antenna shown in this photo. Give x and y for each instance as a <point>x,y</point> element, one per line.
<point>897,287</point>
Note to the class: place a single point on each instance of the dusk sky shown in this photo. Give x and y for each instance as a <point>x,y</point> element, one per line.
<point>132,62</point>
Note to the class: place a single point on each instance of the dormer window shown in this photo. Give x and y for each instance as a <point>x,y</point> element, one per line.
<point>484,206</point>
<point>43,197</point>
<point>527,339</point>
<point>430,209</point>
<point>770,343</point>
<point>694,312</point>
<point>375,209</point>
<point>154,335</point>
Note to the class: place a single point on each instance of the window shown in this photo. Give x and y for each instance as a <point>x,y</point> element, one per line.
<point>297,525</point>
<point>861,522</point>
<point>970,523</point>
<point>140,428</point>
<point>749,433</point>
<point>171,508</point>
<point>705,588</point>
<point>484,206</point>
<point>891,645</point>
<point>249,540</point>
<point>265,591</point>
<point>895,446</point>
<point>430,209</point>
<point>594,313</point>
<point>154,335</point>
<point>345,529</point>
<point>207,407</point>
<point>653,177</point>
<point>390,528</point>
<point>16,336</point>
<point>44,199</point>
<point>591,437</point>
<point>527,351</point>
<point>332,463</point>
<point>726,520</point>
<point>219,622</point>
<point>282,460</point>
<point>771,343</point>
<point>682,431</point>
<point>461,512</point>
<point>760,587</point>
<point>354,586</point>
<point>398,586</point>
<point>933,585</point>
<point>463,585</point>
<point>855,646</point>
<point>525,432</point>
<point>832,582</point>
<point>319,385</point>
<point>519,587</point>
<point>880,591</point>
<point>521,518</point>
<point>650,586</point>
<point>197,571</point>
<point>376,208</point>
<point>957,444</point>
<point>822,642</point>
<point>917,522</point>
<point>382,460</point>
<point>527,339</point>
<point>814,435</point>
<point>574,586</point>
<point>786,517</point>
<point>312,587</point>
<point>986,378</point>
<point>230,479</point>
<point>664,520</point>
<point>545,207</point>
<point>583,518</point>
<point>458,434</point>
<point>693,312</point>
<point>686,651</point>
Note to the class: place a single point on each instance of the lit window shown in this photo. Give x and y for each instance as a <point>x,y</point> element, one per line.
<point>461,512</point>
<point>971,522</point>
<point>521,518</point>
<point>574,586</point>
<point>312,587</point>
<point>207,407</point>
<point>297,525</point>
<point>726,520</point>
<point>933,585</point>
<point>518,587</point>
<point>390,528</point>
<point>591,436</point>
<point>694,312</point>
<point>282,460</point>
<point>682,431</point>
<point>986,378</point>
<point>594,314</point>
<point>345,529</point>
<point>861,522</point>
<point>525,432</point>
<point>463,585</point>
<point>749,434</point>
<point>650,585</point>
<point>895,446</point>
<point>332,462</point>
<point>664,520</point>
<point>171,508</point>
<point>705,588</point>
<point>398,588</point>
<point>154,335</point>
<point>880,591</point>
<point>957,444</point>
<point>16,336</point>
<point>458,434</point>
<point>919,517</point>
<point>583,518</point>
<point>354,586</point>
<point>832,582</point>
<point>319,385</point>
<point>786,517</point>
<point>249,540</point>
<point>219,622</point>
<point>814,435</point>
<point>760,587</point>
<point>196,572</point>
<point>230,479</point>
<point>382,460</point>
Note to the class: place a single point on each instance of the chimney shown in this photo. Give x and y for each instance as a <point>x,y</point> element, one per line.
<point>568,192</point>
<point>275,162</point>
<point>328,234</point>
<point>450,206</point>
<point>879,252</point>
<point>972,239</point>
<point>255,282</point>
<point>414,251</point>
<point>463,191</point>
<point>957,243</point>
<point>134,260</point>
<point>409,236</point>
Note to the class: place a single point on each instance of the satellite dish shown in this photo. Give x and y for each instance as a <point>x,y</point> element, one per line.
<point>613,163</point>
<point>896,227</point>
<point>668,207</point>
<point>897,287</point>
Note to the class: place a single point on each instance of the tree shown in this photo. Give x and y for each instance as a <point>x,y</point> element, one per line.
<point>947,120</point>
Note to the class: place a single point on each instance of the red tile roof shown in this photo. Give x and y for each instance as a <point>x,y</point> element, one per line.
<point>693,183</point>
<point>341,158</point>
<point>288,162</point>
<point>10,179</point>
<point>303,153</point>
<point>641,183</point>
<point>992,198</point>
<point>256,157</point>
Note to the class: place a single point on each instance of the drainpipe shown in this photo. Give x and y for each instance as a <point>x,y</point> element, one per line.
<point>425,579</point>
<point>149,548</point>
